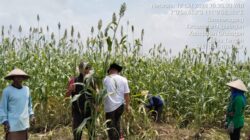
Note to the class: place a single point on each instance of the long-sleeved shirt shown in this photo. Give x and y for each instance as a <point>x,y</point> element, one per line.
<point>235,112</point>
<point>16,108</point>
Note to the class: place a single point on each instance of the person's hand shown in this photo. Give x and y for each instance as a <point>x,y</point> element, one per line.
<point>127,113</point>
<point>97,109</point>
<point>230,128</point>
<point>71,88</point>
<point>128,108</point>
<point>6,126</point>
<point>225,125</point>
<point>32,120</point>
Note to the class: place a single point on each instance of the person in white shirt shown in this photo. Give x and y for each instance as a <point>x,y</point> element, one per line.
<point>117,97</point>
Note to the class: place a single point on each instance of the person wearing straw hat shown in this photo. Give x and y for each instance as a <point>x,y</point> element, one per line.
<point>82,100</point>
<point>16,107</point>
<point>116,100</point>
<point>155,105</point>
<point>235,110</point>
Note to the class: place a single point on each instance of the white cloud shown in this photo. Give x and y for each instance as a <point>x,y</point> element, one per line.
<point>159,24</point>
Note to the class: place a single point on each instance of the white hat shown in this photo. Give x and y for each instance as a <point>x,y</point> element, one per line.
<point>17,72</point>
<point>238,84</point>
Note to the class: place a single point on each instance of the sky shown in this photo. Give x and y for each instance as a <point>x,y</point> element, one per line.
<point>156,17</point>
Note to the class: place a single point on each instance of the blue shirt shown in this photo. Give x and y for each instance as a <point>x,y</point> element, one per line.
<point>155,101</point>
<point>16,108</point>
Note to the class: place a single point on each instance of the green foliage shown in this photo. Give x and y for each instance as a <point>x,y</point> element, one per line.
<point>193,88</point>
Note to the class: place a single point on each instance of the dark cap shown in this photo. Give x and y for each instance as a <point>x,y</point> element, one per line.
<point>115,66</point>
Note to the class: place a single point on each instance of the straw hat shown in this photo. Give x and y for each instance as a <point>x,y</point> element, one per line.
<point>144,92</point>
<point>16,72</point>
<point>238,84</point>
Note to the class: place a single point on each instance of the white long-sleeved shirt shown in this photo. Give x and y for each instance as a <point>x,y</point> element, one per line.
<point>16,108</point>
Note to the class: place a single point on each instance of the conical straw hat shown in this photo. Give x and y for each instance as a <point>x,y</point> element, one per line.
<point>16,72</point>
<point>238,84</point>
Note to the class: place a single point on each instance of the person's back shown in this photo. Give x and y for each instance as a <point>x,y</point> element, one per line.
<point>116,87</point>
<point>116,100</point>
<point>156,104</point>
<point>157,101</point>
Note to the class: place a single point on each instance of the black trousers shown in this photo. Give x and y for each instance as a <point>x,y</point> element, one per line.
<point>236,134</point>
<point>79,113</point>
<point>114,123</point>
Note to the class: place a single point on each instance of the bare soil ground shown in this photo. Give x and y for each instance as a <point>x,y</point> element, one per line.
<point>165,132</point>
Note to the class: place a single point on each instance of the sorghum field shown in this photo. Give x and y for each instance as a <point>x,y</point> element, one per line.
<point>192,82</point>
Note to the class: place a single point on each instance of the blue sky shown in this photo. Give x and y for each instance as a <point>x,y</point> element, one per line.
<point>159,26</point>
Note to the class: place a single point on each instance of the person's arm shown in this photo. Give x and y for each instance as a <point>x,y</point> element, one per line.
<point>31,112</point>
<point>70,87</point>
<point>127,100</point>
<point>126,95</point>
<point>4,111</point>
<point>228,113</point>
<point>30,105</point>
<point>151,103</point>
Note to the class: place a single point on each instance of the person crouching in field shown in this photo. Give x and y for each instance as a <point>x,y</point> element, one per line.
<point>155,104</point>
<point>235,110</point>
<point>16,107</point>
<point>82,101</point>
<point>117,98</point>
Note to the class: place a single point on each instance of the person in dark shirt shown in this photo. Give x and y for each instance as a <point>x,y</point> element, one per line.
<point>155,104</point>
<point>82,100</point>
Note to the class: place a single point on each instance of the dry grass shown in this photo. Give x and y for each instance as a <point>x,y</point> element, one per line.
<point>165,132</point>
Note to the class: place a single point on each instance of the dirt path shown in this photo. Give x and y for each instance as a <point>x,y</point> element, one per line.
<point>165,132</point>
<point>169,132</point>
